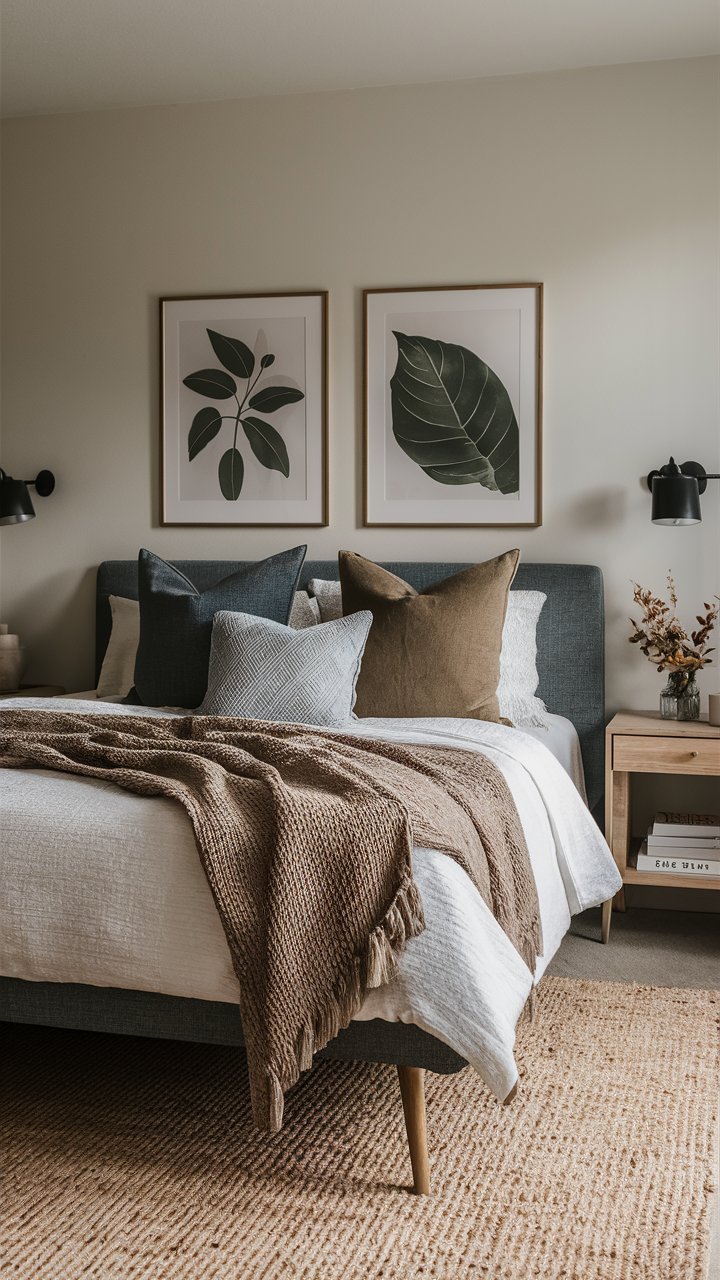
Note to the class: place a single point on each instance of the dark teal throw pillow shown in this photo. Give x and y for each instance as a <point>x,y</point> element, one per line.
<point>171,668</point>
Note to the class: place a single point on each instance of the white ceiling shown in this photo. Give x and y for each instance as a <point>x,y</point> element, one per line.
<point>86,55</point>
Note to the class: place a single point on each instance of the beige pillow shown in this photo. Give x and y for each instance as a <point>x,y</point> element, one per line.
<point>434,652</point>
<point>328,597</point>
<point>117,674</point>
<point>305,612</point>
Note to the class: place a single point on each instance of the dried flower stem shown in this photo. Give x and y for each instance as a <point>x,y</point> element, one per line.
<point>663,639</point>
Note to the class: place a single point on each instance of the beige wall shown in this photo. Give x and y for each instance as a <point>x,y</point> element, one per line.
<point>601,183</point>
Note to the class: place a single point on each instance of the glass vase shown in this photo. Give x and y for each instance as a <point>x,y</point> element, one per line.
<point>680,699</point>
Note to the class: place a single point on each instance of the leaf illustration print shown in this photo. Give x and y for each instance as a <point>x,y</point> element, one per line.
<point>452,415</point>
<point>265,440</point>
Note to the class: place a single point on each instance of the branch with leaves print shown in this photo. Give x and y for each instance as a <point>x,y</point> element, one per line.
<point>215,384</point>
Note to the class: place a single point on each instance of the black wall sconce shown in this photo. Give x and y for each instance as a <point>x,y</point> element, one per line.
<point>15,501</point>
<point>676,492</point>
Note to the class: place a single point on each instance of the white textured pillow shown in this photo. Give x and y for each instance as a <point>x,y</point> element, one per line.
<point>518,657</point>
<point>117,674</point>
<point>519,677</point>
<point>262,670</point>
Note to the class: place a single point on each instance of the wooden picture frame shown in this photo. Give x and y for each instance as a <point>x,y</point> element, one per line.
<point>243,411</point>
<point>453,406</point>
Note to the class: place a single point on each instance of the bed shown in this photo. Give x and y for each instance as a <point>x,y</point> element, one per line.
<point>392,1027</point>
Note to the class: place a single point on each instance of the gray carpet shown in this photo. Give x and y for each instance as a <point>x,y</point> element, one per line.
<point>659,948</point>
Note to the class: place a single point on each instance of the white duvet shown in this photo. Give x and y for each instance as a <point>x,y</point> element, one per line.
<point>104,887</point>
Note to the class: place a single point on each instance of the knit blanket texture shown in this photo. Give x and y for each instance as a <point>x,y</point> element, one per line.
<point>306,840</point>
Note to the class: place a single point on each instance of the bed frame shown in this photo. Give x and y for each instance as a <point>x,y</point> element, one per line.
<point>571,668</point>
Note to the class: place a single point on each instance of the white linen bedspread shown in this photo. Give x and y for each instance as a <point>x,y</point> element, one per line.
<point>104,887</point>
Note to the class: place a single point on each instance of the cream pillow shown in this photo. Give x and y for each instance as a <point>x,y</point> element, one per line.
<point>117,674</point>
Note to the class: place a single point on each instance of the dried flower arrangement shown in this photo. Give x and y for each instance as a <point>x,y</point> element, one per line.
<point>665,642</point>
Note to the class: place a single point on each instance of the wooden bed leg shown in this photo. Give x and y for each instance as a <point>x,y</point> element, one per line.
<point>607,907</point>
<point>412,1092</point>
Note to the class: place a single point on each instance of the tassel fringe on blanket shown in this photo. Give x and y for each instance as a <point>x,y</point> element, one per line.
<point>403,920</point>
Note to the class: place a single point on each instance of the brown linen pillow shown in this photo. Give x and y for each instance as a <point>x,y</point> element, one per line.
<point>435,652</point>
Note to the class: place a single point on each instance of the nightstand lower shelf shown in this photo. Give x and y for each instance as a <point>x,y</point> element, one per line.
<point>669,880</point>
<point>642,742</point>
<point>664,879</point>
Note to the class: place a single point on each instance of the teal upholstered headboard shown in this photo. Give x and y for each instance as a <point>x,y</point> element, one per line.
<point>570,632</point>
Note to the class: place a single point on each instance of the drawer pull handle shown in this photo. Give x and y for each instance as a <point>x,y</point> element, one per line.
<point>693,754</point>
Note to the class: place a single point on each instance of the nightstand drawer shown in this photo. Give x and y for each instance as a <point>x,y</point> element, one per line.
<point>666,755</point>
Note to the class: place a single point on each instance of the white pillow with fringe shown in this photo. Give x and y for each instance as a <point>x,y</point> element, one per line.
<point>519,679</point>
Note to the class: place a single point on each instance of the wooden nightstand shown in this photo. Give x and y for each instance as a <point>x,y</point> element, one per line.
<point>642,742</point>
<point>34,691</point>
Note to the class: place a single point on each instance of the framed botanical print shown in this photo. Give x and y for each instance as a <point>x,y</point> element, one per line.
<point>244,409</point>
<point>453,400</point>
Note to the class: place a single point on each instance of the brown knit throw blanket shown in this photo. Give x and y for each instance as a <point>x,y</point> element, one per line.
<point>306,840</point>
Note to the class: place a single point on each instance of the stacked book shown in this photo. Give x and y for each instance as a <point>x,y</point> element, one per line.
<point>686,844</point>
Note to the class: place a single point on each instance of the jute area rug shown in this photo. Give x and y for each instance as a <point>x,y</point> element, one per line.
<point>136,1158</point>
